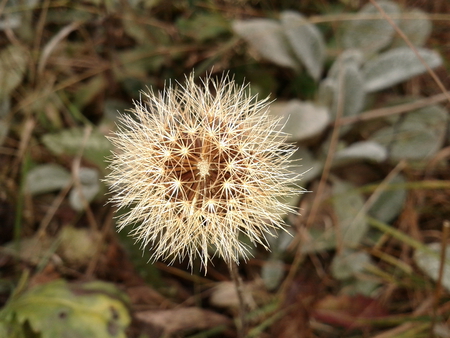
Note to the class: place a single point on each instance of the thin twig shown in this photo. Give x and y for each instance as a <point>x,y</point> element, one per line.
<point>38,35</point>
<point>51,45</point>
<point>99,239</point>
<point>398,331</point>
<point>239,285</point>
<point>437,158</point>
<point>76,164</point>
<point>442,263</point>
<point>398,109</point>
<point>95,71</point>
<point>53,208</point>
<point>25,138</point>
<point>343,17</point>
<point>321,187</point>
<point>377,192</point>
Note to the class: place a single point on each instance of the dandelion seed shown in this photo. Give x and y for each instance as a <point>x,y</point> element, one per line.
<point>198,169</point>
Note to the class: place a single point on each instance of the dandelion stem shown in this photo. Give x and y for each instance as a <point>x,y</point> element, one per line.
<point>239,285</point>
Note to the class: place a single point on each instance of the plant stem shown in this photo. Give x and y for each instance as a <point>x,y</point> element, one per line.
<point>239,285</point>
<point>438,289</point>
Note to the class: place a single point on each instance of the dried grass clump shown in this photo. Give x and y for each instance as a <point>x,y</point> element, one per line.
<point>199,165</point>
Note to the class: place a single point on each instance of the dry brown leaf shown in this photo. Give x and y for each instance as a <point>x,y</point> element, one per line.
<point>348,311</point>
<point>225,295</point>
<point>176,320</point>
<point>144,295</point>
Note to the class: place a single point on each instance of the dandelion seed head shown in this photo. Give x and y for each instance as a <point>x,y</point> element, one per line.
<point>199,165</point>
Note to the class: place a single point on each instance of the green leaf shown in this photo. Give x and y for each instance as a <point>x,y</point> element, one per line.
<point>370,35</point>
<point>430,263</point>
<point>272,273</point>
<point>203,26</point>
<point>58,309</point>
<point>13,63</point>
<point>70,141</point>
<point>267,37</point>
<point>141,259</point>
<point>325,93</point>
<point>77,246</point>
<point>136,29</point>
<point>389,203</point>
<point>110,5</point>
<point>352,225</point>
<point>317,240</point>
<point>4,128</point>
<point>301,120</point>
<point>419,135</point>
<point>416,26</point>
<point>145,30</point>
<point>5,106</point>
<point>305,164</point>
<point>12,18</point>
<point>306,167</point>
<point>12,14</point>
<point>138,61</point>
<point>89,90</point>
<point>348,58</point>
<point>306,41</point>
<point>348,206</point>
<point>89,186</point>
<point>360,151</point>
<point>70,15</point>
<point>34,250</point>
<point>11,330</point>
<point>349,94</point>
<point>397,65</point>
<point>348,263</point>
<point>284,240</point>
<point>344,86</point>
<point>47,178</point>
<point>113,108</point>
<point>279,241</point>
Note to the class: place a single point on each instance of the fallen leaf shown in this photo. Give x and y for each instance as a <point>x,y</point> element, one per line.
<point>348,311</point>
<point>176,320</point>
<point>59,309</point>
<point>78,246</point>
<point>147,296</point>
<point>225,295</point>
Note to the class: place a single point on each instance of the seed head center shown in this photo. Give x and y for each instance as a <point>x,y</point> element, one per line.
<point>203,167</point>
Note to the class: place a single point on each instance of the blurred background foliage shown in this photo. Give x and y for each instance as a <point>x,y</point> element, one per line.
<point>355,83</point>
